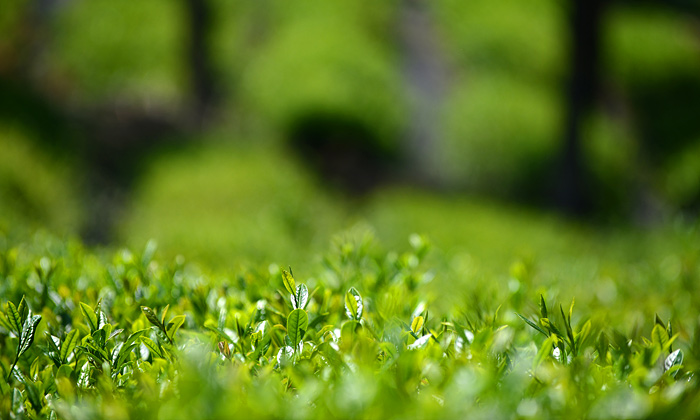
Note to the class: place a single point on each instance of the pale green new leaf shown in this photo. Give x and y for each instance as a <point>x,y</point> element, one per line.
<point>174,325</point>
<point>659,336</point>
<point>288,281</point>
<point>152,347</point>
<point>165,312</point>
<point>545,350</point>
<point>301,297</point>
<point>417,324</point>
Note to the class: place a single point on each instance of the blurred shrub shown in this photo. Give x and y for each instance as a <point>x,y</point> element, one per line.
<point>10,23</point>
<point>644,44</point>
<point>612,158</point>
<point>124,50</point>
<point>681,176</point>
<point>35,190</point>
<point>653,56</point>
<point>523,39</point>
<point>501,134</point>
<point>502,119</point>
<point>228,202</point>
<point>322,62</point>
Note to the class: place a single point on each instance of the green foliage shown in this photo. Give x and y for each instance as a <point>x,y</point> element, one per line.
<point>240,198</point>
<point>36,190</point>
<point>498,129</point>
<point>502,116</point>
<point>339,68</point>
<point>100,53</point>
<point>137,337</point>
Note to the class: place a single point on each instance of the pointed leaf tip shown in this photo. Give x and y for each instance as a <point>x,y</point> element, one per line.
<point>353,304</point>
<point>300,297</point>
<point>288,281</point>
<point>543,307</point>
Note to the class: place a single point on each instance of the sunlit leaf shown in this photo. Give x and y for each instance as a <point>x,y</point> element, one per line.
<point>285,355</point>
<point>417,324</point>
<point>28,331</point>
<point>174,325</point>
<point>420,342</point>
<point>673,362</point>
<point>301,297</point>
<point>288,281</point>
<point>165,312</point>
<point>353,304</point>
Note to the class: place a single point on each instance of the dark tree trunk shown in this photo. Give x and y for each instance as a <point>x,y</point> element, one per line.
<point>199,58</point>
<point>573,196</point>
<point>426,78</point>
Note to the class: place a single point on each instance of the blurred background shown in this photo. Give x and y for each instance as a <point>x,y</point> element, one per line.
<point>256,130</point>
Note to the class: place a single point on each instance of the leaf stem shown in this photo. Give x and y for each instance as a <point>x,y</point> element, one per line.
<point>9,374</point>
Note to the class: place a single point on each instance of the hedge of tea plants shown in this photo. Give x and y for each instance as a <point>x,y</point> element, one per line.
<point>85,334</point>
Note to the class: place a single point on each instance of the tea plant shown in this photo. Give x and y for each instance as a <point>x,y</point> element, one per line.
<point>365,336</point>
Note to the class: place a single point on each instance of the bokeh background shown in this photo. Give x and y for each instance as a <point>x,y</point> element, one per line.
<point>559,131</point>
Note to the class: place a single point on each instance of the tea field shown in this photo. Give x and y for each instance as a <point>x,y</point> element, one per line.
<point>363,332</point>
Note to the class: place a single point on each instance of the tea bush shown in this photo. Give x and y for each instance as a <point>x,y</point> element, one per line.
<point>365,334</point>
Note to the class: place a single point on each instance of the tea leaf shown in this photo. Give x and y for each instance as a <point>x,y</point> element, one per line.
<point>5,323</point>
<point>27,336</point>
<point>152,317</point>
<point>14,318</point>
<point>569,330</point>
<point>659,336</point>
<point>297,323</point>
<point>288,281</point>
<point>152,347</point>
<point>353,304</point>
<point>545,350</point>
<point>23,309</point>
<point>301,297</point>
<point>285,355</point>
<point>174,325</point>
<point>90,317</point>
<point>165,312</point>
<point>543,308</point>
<point>533,325</point>
<point>420,342</point>
<point>68,345</point>
<point>673,359</point>
<point>417,324</point>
